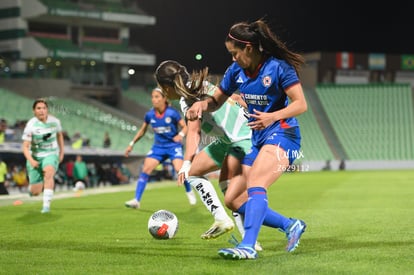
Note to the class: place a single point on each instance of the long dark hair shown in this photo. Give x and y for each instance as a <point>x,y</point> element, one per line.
<point>174,74</point>
<point>260,36</point>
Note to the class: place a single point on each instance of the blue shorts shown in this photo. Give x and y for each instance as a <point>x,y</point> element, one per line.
<point>163,153</point>
<point>289,142</point>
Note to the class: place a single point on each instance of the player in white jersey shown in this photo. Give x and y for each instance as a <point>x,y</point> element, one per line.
<point>43,149</point>
<point>232,139</point>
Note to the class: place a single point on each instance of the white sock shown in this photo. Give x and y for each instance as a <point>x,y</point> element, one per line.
<point>47,197</point>
<point>209,197</point>
<point>239,221</point>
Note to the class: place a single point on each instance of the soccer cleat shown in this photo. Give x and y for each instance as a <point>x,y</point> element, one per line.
<point>233,240</point>
<point>238,253</point>
<point>132,204</point>
<point>293,234</point>
<point>191,197</point>
<point>45,210</point>
<point>217,229</point>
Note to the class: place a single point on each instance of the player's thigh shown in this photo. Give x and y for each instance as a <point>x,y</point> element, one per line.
<point>149,165</point>
<point>236,193</point>
<point>232,162</point>
<point>177,163</point>
<point>48,172</point>
<point>50,164</point>
<point>268,166</point>
<point>36,188</point>
<point>35,174</point>
<point>230,168</point>
<point>238,185</point>
<point>211,157</point>
<point>202,164</point>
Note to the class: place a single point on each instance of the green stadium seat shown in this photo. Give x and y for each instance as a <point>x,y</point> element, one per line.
<point>77,116</point>
<point>314,145</point>
<point>372,121</point>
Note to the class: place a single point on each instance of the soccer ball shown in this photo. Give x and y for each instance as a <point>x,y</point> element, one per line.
<point>79,185</point>
<point>163,224</point>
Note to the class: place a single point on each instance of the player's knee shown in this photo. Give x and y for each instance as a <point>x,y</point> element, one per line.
<point>230,204</point>
<point>35,189</point>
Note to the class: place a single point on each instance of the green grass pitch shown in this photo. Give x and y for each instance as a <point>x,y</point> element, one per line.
<point>359,222</point>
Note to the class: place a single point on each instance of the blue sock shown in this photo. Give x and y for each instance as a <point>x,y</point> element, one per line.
<point>187,186</point>
<point>242,209</point>
<point>141,183</point>
<point>276,220</point>
<point>254,215</point>
<point>271,219</point>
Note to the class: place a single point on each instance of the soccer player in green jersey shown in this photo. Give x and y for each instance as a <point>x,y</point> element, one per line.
<point>43,149</point>
<point>231,139</point>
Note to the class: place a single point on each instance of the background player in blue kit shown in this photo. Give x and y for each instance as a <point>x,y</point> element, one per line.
<point>265,72</point>
<point>165,121</point>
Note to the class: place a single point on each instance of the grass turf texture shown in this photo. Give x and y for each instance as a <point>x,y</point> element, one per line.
<point>358,223</point>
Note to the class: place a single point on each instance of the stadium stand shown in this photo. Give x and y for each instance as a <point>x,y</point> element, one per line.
<point>373,121</point>
<point>143,97</point>
<point>14,107</point>
<point>91,5</point>
<point>404,77</point>
<point>77,117</point>
<point>105,46</point>
<point>314,144</point>
<point>139,96</point>
<point>57,43</point>
<point>324,124</point>
<point>352,77</point>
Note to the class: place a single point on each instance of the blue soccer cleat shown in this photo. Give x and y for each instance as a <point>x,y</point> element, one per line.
<point>293,234</point>
<point>238,253</point>
<point>233,240</point>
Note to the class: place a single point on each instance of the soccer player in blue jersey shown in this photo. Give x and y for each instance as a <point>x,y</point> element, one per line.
<point>266,73</point>
<point>165,121</point>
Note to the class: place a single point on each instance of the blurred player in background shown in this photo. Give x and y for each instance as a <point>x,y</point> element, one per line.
<point>165,121</point>
<point>265,72</point>
<point>43,148</point>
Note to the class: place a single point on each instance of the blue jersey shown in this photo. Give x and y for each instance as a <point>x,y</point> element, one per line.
<point>165,126</point>
<point>264,92</point>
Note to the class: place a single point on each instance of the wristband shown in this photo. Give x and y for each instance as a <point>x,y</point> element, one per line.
<point>181,134</point>
<point>185,168</point>
<point>131,144</point>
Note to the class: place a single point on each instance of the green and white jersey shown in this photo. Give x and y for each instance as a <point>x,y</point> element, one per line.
<point>42,136</point>
<point>230,120</point>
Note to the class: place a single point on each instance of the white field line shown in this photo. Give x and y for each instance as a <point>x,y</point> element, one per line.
<point>63,194</point>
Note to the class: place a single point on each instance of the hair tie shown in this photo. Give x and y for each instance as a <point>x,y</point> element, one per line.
<point>160,91</point>
<point>239,40</point>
